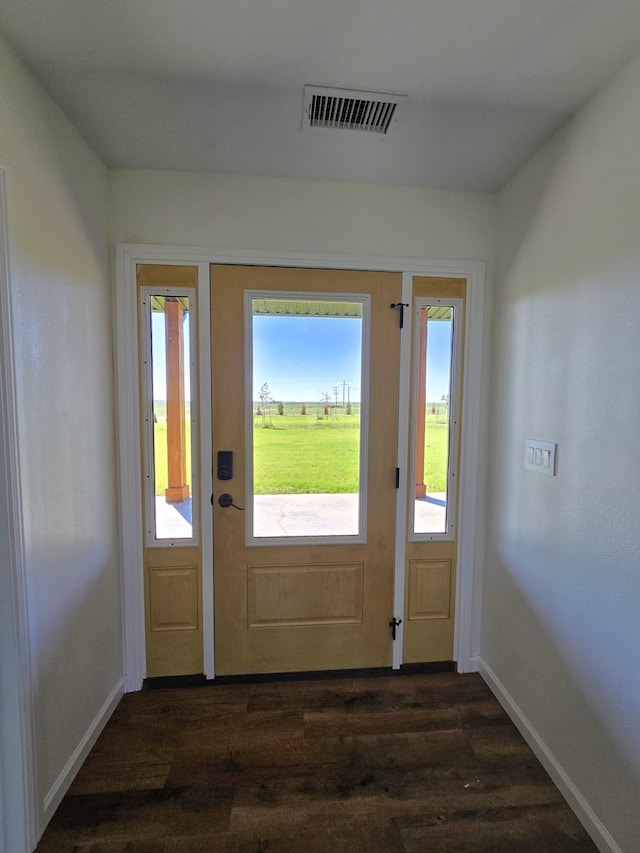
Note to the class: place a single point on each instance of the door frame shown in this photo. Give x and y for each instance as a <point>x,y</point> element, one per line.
<point>473,434</point>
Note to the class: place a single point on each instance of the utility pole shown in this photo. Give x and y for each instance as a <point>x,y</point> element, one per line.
<point>344,382</point>
<point>335,393</point>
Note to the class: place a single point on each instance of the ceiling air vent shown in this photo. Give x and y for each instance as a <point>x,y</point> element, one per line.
<point>347,109</point>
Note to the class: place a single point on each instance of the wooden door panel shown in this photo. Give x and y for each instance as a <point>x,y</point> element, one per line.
<point>298,607</point>
<point>305,595</point>
<point>430,584</point>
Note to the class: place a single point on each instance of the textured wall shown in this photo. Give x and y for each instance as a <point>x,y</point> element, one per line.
<point>562,577</point>
<point>238,212</point>
<point>58,207</point>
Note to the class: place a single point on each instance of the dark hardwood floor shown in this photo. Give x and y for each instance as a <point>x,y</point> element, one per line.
<point>413,763</point>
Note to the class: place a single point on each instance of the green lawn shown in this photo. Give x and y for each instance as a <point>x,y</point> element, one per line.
<point>301,454</point>
<point>313,453</point>
<point>436,451</point>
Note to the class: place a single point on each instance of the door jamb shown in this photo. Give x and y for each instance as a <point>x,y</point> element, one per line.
<point>471,518</point>
<point>404,397</point>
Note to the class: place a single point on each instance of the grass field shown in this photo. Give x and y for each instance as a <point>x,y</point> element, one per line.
<point>313,453</point>
<point>303,454</point>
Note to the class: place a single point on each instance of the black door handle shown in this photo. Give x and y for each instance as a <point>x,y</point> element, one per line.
<point>225,500</point>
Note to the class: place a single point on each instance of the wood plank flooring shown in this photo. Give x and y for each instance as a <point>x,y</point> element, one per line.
<point>413,763</point>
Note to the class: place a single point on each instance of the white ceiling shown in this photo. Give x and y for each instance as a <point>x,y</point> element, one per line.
<point>217,85</point>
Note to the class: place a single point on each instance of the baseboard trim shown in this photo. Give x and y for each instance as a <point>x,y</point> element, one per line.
<point>569,790</point>
<point>61,785</point>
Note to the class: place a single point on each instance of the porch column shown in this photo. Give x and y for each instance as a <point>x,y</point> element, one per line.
<point>177,488</point>
<point>421,403</point>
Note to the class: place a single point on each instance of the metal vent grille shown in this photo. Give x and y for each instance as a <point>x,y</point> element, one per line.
<point>343,109</point>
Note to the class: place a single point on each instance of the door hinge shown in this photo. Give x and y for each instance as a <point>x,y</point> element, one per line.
<point>397,478</point>
<point>394,626</point>
<point>400,306</point>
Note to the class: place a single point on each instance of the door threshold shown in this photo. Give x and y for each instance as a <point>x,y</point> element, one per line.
<point>160,682</point>
<point>200,680</point>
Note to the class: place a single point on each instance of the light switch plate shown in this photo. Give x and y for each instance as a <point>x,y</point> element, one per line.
<point>540,456</point>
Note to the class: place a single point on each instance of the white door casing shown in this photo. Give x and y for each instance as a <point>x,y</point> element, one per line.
<point>471,484</point>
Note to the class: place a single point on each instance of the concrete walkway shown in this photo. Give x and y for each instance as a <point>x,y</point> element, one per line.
<point>305,515</point>
<point>301,515</point>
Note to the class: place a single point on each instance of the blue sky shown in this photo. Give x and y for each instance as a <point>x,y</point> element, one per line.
<point>438,360</point>
<point>303,357</point>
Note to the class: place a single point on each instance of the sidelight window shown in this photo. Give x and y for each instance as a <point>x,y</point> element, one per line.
<point>168,377</point>
<point>435,420</point>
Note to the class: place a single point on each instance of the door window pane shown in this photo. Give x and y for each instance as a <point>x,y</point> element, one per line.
<point>171,470</point>
<point>306,416</point>
<point>433,418</point>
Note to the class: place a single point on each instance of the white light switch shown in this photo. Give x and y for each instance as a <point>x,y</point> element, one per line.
<point>540,456</point>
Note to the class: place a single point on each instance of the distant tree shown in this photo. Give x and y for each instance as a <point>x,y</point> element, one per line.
<point>266,401</point>
<point>326,399</point>
<point>303,410</point>
<point>280,407</point>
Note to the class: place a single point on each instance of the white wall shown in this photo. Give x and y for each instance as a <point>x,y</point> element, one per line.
<point>58,232</point>
<point>292,215</point>
<point>561,604</point>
